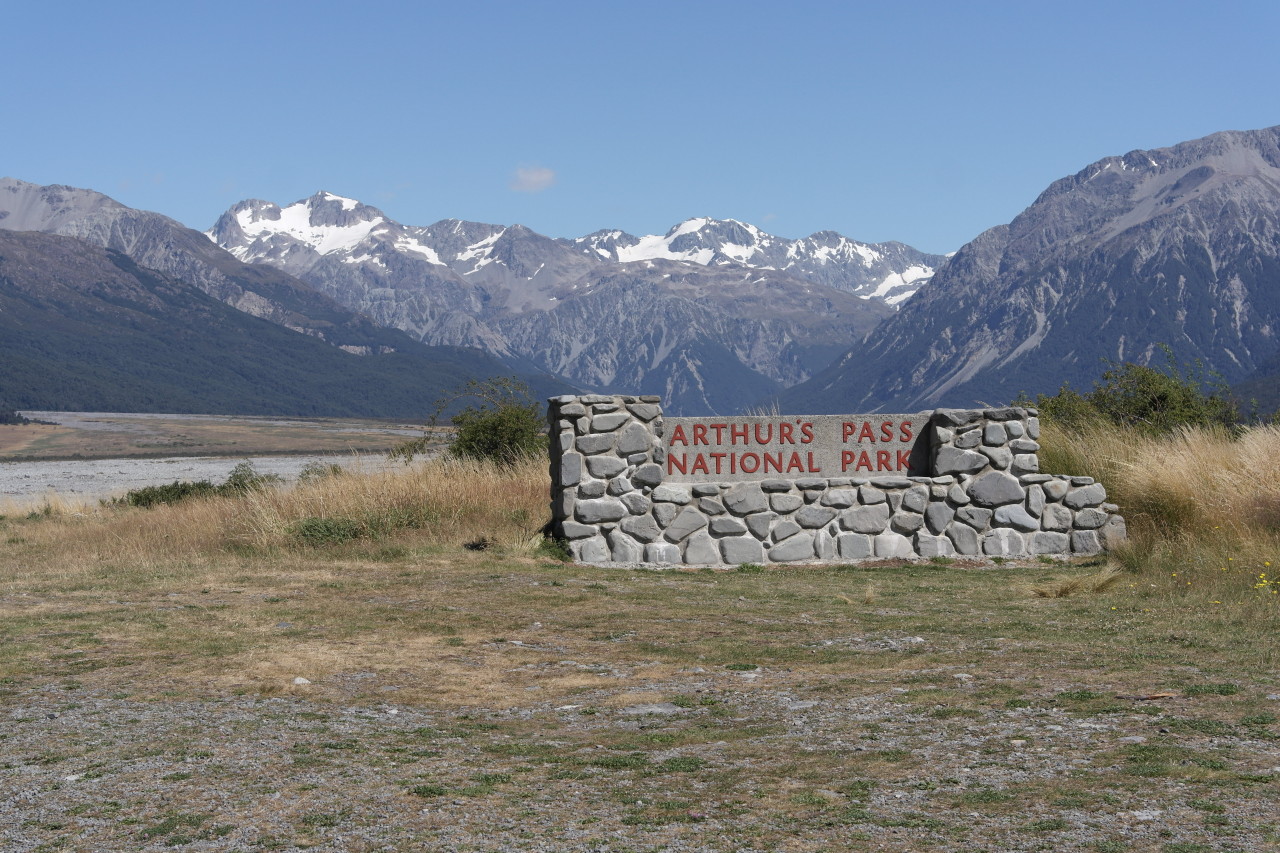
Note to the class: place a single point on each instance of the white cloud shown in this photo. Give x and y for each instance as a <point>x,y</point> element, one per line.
<point>532,179</point>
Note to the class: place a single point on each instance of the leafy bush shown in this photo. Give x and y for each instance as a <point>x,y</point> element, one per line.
<point>1144,398</point>
<point>242,479</point>
<point>328,531</point>
<point>505,427</point>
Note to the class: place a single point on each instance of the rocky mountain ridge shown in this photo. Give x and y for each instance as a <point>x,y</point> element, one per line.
<point>1176,246</point>
<point>713,315</point>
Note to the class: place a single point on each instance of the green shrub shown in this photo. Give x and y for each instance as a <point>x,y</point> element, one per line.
<point>505,427</point>
<point>178,490</point>
<point>327,531</point>
<point>1143,397</point>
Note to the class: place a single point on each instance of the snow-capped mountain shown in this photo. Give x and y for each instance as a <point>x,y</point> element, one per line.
<point>1176,246</point>
<point>739,312</point>
<point>889,272</point>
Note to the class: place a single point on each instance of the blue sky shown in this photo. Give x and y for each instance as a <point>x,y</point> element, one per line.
<point>921,122</point>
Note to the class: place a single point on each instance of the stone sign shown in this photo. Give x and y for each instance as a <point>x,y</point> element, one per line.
<point>630,486</point>
<point>705,450</point>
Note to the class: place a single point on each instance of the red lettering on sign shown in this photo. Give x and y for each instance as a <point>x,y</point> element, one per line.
<point>768,436</point>
<point>866,432</point>
<point>795,463</point>
<point>717,457</point>
<point>677,435</point>
<point>784,434</point>
<point>755,463</point>
<point>806,433</point>
<point>904,460</point>
<point>864,461</point>
<point>847,429</point>
<point>719,428</point>
<point>847,458</point>
<point>906,430</point>
<point>886,431</point>
<point>700,434</point>
<point>673,465</point>
<point>884,460</point>
<point>813,469</point>
<point>773,460</point>
<point>739,431</point>
<point>699,464</point>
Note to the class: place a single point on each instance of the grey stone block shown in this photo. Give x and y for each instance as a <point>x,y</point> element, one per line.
<point>760,523</point>
<point>1003,542</point>
<point>916,498</point>
<point>609,422</point>
<point>705,490</point>
<point>701,548</point>
<point>892,544</point>
<point>1114,532</point>
<point>642,527</point>
<point>811,483</point>
<point>1050,543</point>
<point>741,549</point>
<point>1024,445</point>
<point>592,489</point>
<point>1005,413</point>
<point>785,503</point>
<point>995,489</point>
<point>976,517</point>
<point>637,458</point>
<point>814,516</point>
<point>824,544</point>
<point>1025,463</point>
<point>1028,479</point>
<point>592,444</point>
<point>620,486</point>
<point>727,525</point>
<point>601,510</point>
<point>644,411</point>
<point>574,530</point>
<point>854,546</point>
<point>573,410</point>
<point>785,528</point>
<point>624,549</point>
<point>906,523</point>
<point>955,417</point>
<point>840,498</point>
<point>934,546</point>
<point>954,460</point>
<point>968,440</point>
<point>1085,542</point>
<point>1014,429</point>
<point>596,398</point>
<point>994,435</point>
<point>1090,519</point>
<point>647,475</point>
<point>1091,495</point>
<point>1001,457</point>
<point>1056,518</point>
<point>890,482</point>
<point>776,485</point>
<point>1081,481</point>
<point>685,523</point>
<point>1035,499</point>
<point>1055,489</point>
<point>661,552</point>
<point>671,493</point>
<point>636,438</point>
<point>593,550</point>
<point>664,514</point>
<point>796,547</point>
<point>869,495</point>
<point>711,506</point>
<point>570,469</point>
<point>1014,515</point>
<point>965,539</point>
<point>1033,428</point>
<point>745,498</point>
<point>957,495</point>
<point>937,516</point>
<point>866,519</point>
<point>605,467</point>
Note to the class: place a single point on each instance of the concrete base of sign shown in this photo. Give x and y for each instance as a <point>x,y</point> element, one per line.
<point>982,495</point>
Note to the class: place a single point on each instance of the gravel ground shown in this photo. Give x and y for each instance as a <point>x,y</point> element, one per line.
<point>776,768</point>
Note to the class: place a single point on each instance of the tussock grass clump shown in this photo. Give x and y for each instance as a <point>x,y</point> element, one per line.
<point>1202,504</point>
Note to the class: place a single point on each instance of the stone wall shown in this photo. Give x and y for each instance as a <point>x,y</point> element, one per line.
<point>985,496</point>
